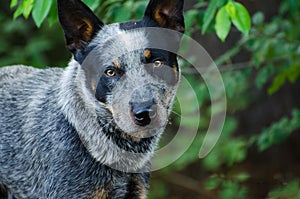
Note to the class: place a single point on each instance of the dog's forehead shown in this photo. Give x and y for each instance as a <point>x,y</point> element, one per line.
<point>113,41</point>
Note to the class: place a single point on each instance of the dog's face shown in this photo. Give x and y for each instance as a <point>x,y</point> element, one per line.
<point>126,74</point>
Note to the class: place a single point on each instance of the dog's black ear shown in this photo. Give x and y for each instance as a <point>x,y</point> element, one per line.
<point>167,14</point>
<point>79,23</point>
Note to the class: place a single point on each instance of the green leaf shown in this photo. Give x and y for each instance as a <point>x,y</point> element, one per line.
<point>277,83</point>
<point>40,11</point>
<point>223,23</point>
<point>18,12</point>
<point>263,75</point>
<point>191,17</point>
<point>293,73</point>
<point>242,20</point>
<point>27,7</point>
<point>235,152</point>
<point>213,182</point>
<point>232,189</point>
<point>290,190</point>
<point>120,13</point>
<point>258,18</point>
<point>242,177</point>
<point>278,131</point>
<point>209,14</point>
<point>231,10</point>
<point>93,4</point>
<point>271,29</point>
<point>53,16</point>
<point>13,3</point>
<point>140,9</point>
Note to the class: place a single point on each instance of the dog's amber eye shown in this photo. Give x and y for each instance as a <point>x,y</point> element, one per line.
<point>158,63</point>
<point>110,72</point>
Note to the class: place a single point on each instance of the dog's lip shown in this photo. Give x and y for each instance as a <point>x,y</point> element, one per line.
<point>147,133</point>
<point>143,132</point>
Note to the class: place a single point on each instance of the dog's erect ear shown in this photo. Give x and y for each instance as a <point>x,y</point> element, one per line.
<point>79,23</point>
<point>167,13</point>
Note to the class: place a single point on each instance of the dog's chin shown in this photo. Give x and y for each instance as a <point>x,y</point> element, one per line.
<point>148,133</point>
<point>136,132</point>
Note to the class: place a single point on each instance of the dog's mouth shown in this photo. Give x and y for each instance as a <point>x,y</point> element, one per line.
<point>149,133</point>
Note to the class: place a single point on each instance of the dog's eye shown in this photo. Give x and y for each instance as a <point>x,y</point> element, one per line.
<point>110,72</point>
<point>158,63</point>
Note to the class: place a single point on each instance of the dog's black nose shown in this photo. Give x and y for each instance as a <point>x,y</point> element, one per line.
<point>144,117</point>
<point>143,113</point>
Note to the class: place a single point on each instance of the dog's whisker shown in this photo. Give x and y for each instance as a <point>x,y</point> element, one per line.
<point>177,114</point>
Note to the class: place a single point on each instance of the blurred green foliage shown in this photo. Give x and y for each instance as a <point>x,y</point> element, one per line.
<point>279,131</point>
<point>230,187</point>
<point>274,46</point>
<point>289,191</point>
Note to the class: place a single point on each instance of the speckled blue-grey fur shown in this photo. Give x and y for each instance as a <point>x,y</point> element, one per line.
<point>72,133</point>
<point>41,153</point>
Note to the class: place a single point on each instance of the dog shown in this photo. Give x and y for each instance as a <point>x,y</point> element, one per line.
<point>90,130</point>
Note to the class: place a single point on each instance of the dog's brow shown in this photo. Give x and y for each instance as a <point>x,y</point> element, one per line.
<point>117,63</point>
<point>147,53</point>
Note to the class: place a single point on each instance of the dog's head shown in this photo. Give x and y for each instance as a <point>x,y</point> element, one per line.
<point>130,68</point>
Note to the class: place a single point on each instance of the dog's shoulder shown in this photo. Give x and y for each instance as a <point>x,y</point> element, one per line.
<point>19,72</point>
<point>22,74</point>
<point>14,72</point>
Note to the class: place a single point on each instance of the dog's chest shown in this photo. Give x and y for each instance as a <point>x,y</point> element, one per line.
<point>128,187</point>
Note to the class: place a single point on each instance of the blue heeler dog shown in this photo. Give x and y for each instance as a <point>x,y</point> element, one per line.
<point>90,130</point>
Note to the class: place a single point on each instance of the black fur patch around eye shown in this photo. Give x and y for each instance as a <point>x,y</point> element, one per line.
<point>106,85</point>
<point>168,72</point>
<point>102,90</point>
<point>168,58</point>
